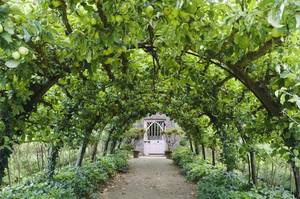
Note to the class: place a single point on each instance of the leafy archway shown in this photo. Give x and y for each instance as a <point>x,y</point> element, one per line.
<point>69,68</point>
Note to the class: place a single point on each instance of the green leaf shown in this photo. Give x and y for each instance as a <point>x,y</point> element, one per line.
<point>297,135</point>
<point>297,20</point>
<point>27,36</point>
<point>298,103</point>
<point>278,69</point>
<point>274,20</point>
<point>12,63</point>
<point>277,93</point>
<point>282,98</point>
<point>10,30</point>
<point>296,152</point>
<point>6,37</point>
<point>89,56</point>
<point>109,61</point>
<point>297,162</point>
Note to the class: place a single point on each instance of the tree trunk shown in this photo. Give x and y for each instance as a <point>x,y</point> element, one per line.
<point>8,175</point>
<point>253,167</point>
<point>120,143</point>
<point>249,169</point>
<point>106,144</point>
<point>203,151</point>
<point>94,152</point>
<point>213,154</point>
<point>113,146</point>
<point>291,178</point>
<point>4,156</point>
<point>191,143</point>
<point>42,156</point>
<point>52,160</point>
<point>224,147</point>
<point>18,168</point>
<point>5,148</point>
<point>38,159</point>
<point>258,167</point>
<point>88,132</point>
<point>196,147</point>
<point>296,172</point>
<point>228,153</point>
<point>82,151</point>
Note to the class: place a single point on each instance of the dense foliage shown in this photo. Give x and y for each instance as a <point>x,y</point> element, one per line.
<point>71,182</point>
<point>214,182</point>
<point>75,73</point>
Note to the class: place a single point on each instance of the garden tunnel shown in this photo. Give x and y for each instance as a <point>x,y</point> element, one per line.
<point>75,74</point>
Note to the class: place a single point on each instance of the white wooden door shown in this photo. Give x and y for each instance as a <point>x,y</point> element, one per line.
<point>154,142</point>
<point>154,147</point>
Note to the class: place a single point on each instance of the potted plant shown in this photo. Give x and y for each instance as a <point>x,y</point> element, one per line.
<point>172,136</point>
<point>134,136</point>
<point>136,154</point>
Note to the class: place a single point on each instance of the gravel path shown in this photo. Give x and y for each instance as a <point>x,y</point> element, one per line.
<point>150,178</point>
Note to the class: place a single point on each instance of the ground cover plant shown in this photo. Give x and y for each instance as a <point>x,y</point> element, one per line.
<point>71,182</point>
<point>215,182</point>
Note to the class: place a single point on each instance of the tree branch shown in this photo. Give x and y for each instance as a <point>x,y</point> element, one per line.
<point>63,10</point>
<point>124,61</point>
<point>46,103</point>
<point>252,56</point>
<point>68,94</point>
<point>101,14</point>
<point>38,92</point>
<point>107,68</point>
<point>212,61</point>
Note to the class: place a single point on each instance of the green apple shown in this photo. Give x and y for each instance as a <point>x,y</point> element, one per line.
<point>276,33</point>
<point>16,55</point>
<point>23,50</point>
<point>81,11</point>
<point>149,11</point>
<point>124,8</point>
<point>167,11</point>
<point>1,28</point>
<point>119,18</point>
<point>93,21</point>
<point>56,3</point>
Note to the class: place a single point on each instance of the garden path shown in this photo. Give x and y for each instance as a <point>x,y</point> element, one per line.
<point>150,178</point>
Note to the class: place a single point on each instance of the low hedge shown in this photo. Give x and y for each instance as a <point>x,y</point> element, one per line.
<point>70,182</point>
<point>215,183</point>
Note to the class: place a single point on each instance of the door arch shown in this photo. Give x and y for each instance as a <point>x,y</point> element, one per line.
<point>155,131</point>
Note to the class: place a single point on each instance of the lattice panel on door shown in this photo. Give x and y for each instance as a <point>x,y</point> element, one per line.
<point>155,130</point>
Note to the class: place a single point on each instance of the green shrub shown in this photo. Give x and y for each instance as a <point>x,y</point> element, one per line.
<point>120,161</point>
<point>38,190</point>
<point>70,182</point>
<point>272,193</point>
<point>215,183</point>
<point>197,169</point>
<point>183,142</point>
<point>182,156</point>
<point>219,185</point>
<point>82,180</point>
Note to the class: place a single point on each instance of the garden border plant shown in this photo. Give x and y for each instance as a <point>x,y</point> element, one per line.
<point>216,183</point>
<point>71,181</point>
